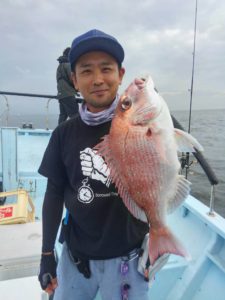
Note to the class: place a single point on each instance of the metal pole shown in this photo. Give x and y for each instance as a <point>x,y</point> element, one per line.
<point>28,95</point>
<point>47,120</point>
<point>212,200</point>
<point>7,110</point>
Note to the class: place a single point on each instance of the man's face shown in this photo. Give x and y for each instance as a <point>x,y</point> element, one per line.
<point>97,76</point>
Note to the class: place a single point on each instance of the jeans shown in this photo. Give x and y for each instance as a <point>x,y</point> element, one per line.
<point>105,278</point>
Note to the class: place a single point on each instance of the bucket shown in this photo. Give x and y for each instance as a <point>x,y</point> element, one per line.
<point>22,211</point>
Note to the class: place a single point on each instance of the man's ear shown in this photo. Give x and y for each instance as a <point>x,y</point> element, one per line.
<point>121,73</point>
<point>74,79</point>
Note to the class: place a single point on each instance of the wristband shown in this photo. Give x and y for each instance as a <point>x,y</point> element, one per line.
<point>47,253</point>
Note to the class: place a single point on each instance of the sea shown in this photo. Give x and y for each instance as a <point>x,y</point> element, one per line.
<point>207,126</point>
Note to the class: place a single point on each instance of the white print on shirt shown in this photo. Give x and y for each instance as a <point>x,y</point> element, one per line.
<point>93,166</point>
<point>85,193</point>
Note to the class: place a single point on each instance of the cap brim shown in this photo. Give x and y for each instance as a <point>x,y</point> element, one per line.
<point>109,46</point>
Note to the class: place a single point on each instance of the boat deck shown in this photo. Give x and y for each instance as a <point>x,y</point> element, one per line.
<point>202,234</point>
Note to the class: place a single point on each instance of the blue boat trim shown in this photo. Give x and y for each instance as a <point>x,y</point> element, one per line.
<point>200,232</point>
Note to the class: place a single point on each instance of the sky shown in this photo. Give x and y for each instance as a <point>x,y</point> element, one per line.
<point>157,36</point>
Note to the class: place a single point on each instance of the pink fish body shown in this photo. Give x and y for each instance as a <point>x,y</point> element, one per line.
<point>141,153</point>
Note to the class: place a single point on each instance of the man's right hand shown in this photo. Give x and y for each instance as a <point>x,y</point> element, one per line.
<point>47,274</point>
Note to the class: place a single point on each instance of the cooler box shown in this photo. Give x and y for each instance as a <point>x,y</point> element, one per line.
<point>22,211</point>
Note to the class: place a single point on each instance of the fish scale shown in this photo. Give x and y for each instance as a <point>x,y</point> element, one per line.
<point>146,170</point>
<point>141,154</point>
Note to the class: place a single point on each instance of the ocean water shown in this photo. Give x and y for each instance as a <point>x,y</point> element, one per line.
<point>208,126</point>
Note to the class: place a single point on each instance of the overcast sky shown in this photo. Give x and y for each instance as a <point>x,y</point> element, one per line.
<point>157,36</point>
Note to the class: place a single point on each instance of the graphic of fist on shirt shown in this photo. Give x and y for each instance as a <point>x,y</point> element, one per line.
<point>94,166</point>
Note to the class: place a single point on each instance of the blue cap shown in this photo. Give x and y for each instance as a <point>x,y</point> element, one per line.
<point>95,40</point>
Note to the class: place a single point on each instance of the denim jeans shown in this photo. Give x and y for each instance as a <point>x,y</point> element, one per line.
<point>106,279</point>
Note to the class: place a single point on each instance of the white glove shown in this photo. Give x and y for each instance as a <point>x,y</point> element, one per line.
<point>144,267</point>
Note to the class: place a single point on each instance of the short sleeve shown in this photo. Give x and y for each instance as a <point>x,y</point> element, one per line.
<point>52,165</point>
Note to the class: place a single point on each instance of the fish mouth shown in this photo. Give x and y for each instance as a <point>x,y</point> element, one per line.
<point>140,83</point>
<point>148,111</point>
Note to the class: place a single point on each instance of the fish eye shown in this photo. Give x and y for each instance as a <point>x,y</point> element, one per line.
<point>126,103</point>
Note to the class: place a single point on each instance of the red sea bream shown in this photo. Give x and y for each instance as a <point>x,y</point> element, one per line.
<point>141,153</point>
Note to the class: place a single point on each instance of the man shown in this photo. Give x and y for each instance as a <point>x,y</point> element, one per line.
<point>102,239</point>
<point>68,105</point>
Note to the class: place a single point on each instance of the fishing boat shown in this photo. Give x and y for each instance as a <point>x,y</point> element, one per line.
<point>198,226</point>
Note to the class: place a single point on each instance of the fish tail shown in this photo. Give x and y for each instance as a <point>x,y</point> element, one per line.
<point>162,241</point>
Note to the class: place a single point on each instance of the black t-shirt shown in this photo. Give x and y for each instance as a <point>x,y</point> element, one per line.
<point>102,227</point>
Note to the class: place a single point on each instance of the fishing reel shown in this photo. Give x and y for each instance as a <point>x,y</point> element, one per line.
<point>186,162</point>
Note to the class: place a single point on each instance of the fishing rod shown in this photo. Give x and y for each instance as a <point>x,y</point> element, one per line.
<point>205,166</point>
<point>187,165</point>
<point>193,67</point>
<point>185,160</point>
<point>200,158</point>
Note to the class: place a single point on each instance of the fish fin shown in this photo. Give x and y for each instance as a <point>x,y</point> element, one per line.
<point>182,191</point>
<point>162,241</point>
<point>186,142</point>
<point>104,150</point>
<point>133,208</point>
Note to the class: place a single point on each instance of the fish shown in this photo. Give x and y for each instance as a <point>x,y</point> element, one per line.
<point>141,152</point>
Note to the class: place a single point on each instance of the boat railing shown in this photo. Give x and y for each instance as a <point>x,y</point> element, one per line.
<point>185,163</point>
<point>48,97</point>
<point>6,110</point>
<point>47,114</point>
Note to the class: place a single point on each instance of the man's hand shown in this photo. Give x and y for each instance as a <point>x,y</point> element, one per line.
<point>47,275</point>
<point>94,166</point>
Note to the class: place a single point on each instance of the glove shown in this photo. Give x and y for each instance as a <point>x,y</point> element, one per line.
<point>47,270</point>
<point>143,261</point>
<point>144,266</point>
